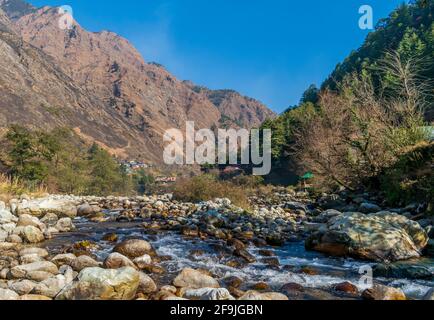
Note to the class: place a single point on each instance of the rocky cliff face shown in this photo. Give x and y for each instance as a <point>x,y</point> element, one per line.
<point>34,91</point>
<point>133,100</point>
<point>236,109</point>
<point>16,8</point>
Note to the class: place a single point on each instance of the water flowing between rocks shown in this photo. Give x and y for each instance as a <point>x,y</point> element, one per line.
<point>322,271</point>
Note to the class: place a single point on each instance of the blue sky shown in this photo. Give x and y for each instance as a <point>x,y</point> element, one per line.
<point>271,50</point>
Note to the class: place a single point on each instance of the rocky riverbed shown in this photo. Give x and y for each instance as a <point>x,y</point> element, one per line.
<point>289,246</point>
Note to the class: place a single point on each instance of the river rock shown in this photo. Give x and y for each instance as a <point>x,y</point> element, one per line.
<point>291,288</point>
<point>83,262</point>
<point>381,292</point>
<point>146,284</point>
<point>143,261</point>
<point>133,248</point>
<point>103,284</point>
<point>382,236</point>
<point>38,276</point>
<point>254,295</point>
<point>8,227</point>
<point>31,234</point>
<point>233,281</point>
<point>28,220</point>
<point>429,249</point>
<point>213,294</point>
<point>30,258</point>
<point>34,297</point>
<point>63,259</point>
<point>7,217</point>
<point>116,261</point>
<point>3,235</point>
<point>245,255</point>
<point>86,210</point>
<point>22,287</point>
<point>6,294</point>
<point>403,270</point>
<point>50,219</point>
<point>429,295</point>
<point>38,251</point>
<point>39,207</point>
<point>367,207</point>
<point>51,287</point>
<point>346,287</point>
<point>22,271</point>
<point>14,238</point>
<point>65,225</point>
<point>326,215</point>
<point>190,278</point>
<point>110,237</point>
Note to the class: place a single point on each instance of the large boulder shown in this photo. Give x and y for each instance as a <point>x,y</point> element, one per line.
<point>39,207</point>
<point>133,248</point>
<point>190,278</point>
<point>383,236</point>
<point>103,284</point>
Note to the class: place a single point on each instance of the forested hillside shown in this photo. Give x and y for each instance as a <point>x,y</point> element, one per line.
<point>371,113</point>
<point>409,30</point>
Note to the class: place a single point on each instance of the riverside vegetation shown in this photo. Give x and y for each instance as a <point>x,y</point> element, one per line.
<point>368,204</point>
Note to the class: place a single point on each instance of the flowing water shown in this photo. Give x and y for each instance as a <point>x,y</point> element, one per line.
<point>211,255</point>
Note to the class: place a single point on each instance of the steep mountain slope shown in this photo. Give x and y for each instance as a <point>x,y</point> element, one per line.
<point>144,97</point>
<point>35,92</point>
<point>15,9</point>
<point>244,111</point>
<point>138,100</point>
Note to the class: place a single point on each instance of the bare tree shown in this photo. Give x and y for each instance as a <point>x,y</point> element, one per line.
<point>361,130</point>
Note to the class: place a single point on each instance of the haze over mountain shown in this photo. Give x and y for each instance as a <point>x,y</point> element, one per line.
<point>100,85</point>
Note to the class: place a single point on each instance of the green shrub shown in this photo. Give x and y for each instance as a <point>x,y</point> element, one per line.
<point>411,178</point>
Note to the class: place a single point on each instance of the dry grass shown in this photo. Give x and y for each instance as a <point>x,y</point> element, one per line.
<point>208,187</point>
<point>10,188</point>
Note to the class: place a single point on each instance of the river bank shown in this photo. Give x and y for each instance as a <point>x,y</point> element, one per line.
<point>66,247</point>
